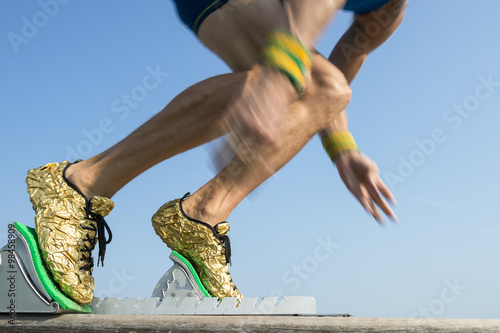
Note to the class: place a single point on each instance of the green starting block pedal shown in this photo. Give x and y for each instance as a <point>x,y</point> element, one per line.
<point>26,286</point>
<point>24,279</point>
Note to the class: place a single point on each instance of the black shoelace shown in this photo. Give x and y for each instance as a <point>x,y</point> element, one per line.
<point>227,247</point>
<point>100,229</point>
<point>226,243</point>
<point>223,238</point>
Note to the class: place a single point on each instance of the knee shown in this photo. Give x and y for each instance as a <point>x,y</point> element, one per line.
<point>328,95</point>
<point>339,93</point>
<point>339,89</point>
<point>330,84</point>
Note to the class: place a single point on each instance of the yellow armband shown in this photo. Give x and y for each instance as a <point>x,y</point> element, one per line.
<point>336,143</point>
<point>287,54</point>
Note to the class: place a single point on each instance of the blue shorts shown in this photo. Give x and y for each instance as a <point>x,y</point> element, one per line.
<point>193,12</point>
<point>364,6</point>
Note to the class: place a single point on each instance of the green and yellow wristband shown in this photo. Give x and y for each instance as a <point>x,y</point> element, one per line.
<point>336,143</point>
<point>287,54</point>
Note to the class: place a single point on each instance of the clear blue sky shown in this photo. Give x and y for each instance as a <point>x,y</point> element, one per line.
<point>421,109</point>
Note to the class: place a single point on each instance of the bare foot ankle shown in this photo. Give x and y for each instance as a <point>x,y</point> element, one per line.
<point>198,211</point>
<point>74,175</point>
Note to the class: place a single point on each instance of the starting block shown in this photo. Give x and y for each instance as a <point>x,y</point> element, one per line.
<point>26,286</point>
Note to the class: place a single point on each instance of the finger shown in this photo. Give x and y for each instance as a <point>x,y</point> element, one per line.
<point>387,194</point>
<point>376,198</point>
<point>378,184</point>
<point>375,213</point>
<point>367,206</point>
<point>371,205</point>
<point>382,188</point>
<point>362,195</point>
<point>359,195</point>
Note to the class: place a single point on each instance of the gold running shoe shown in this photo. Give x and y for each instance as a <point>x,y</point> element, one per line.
<point>206,247</point>
<point>68,226</point>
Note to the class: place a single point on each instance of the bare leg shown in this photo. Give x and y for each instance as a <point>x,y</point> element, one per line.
<point>258,116</point>
<point>322,102</point>
<point>189,120</point>
<point>326,97</point>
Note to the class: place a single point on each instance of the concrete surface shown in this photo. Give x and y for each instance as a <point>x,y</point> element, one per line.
<point>75,323</point>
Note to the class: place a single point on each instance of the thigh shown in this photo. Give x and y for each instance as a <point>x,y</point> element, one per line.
<point>236,31</point>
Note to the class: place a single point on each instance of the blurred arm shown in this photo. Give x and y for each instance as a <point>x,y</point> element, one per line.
<point>353,48</point>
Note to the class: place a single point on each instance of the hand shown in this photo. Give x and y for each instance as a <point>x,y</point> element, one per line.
<point>361,177</point>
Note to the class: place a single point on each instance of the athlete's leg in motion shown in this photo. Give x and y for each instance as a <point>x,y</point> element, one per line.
<point>188,121</point>
<point>326,97</point>
<point>258,116</point>
<point>177,128</point>
<point>194,116</point>
<point>174,222</point>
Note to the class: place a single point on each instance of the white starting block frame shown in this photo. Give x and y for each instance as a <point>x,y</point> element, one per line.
<point>177,293</point>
